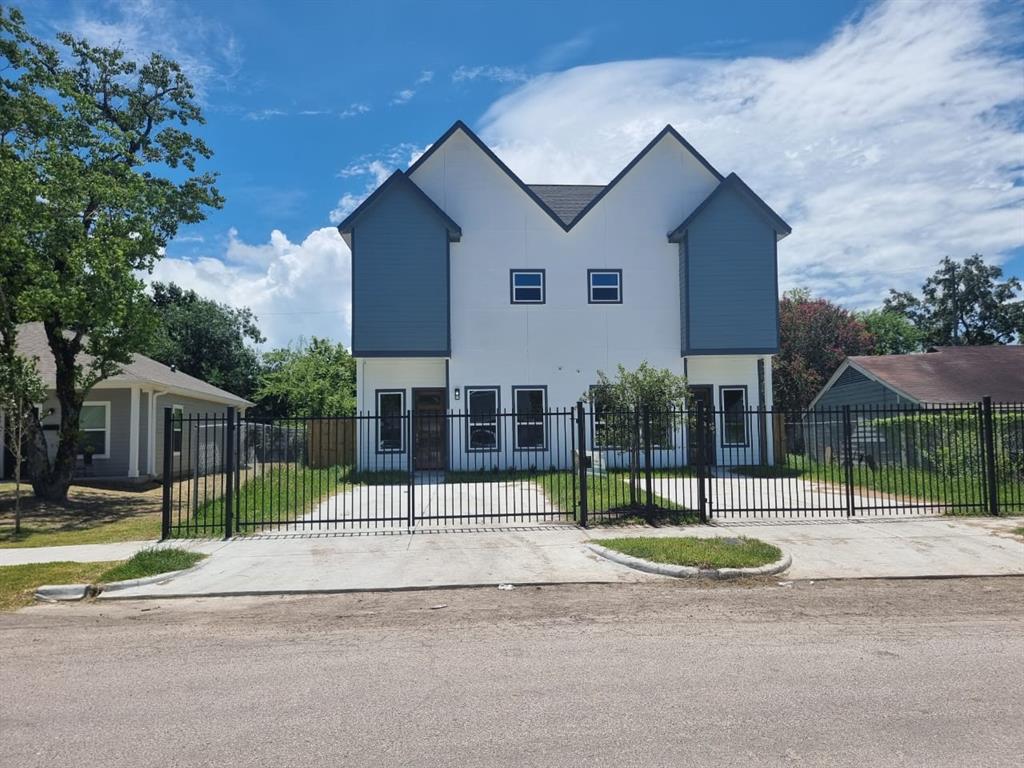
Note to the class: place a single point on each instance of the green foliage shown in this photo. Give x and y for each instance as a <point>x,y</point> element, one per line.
<point>964,303</point>
<point>657,389</point>
<point>99,170</point>
<point>948,443</point>
<point>815,336</point>
<point>697,552</point>
<point>205,339</point>
<point>314,379</point>
<point>150,562</point>
<point>894,333</point>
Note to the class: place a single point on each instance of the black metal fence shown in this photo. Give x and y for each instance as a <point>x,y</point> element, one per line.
<point>224,474</point>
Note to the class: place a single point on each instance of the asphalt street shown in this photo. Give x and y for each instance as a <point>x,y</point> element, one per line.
<point>842,673</point>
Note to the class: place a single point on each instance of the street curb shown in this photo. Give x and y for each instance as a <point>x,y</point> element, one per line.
<point>52,593</point>
<point>114,586</point>
<point>688,571</point>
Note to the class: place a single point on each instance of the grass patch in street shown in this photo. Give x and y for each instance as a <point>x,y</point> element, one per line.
<point>150,562</point>
<point>89,516</point>
<point>18,583</point>
<point>697,552</point>
<point>1018,531</point>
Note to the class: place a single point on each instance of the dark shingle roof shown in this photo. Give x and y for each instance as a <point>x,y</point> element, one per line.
<point>141,370</point>
<point>566,200</point>
<point>952,374</point>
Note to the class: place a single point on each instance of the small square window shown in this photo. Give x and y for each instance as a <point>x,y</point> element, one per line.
<point>605,286</point>
<point>527,286</point>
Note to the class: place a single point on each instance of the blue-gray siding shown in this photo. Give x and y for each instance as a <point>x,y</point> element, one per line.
<point>400,268</point>
<point>853,388</point>
<point>728,282</point>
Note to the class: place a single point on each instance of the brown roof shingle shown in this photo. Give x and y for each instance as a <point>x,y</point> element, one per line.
<point>952,374</point>
<point>141,370</point>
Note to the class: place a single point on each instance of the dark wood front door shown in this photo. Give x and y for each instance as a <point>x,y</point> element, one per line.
<point>703,394</point>
<point>429,430</point>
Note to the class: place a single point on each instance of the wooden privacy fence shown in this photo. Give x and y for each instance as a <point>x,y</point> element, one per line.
<point>330,443</point>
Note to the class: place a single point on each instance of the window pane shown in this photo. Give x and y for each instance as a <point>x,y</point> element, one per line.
<point>483,422</point>
<point>93,417</point>
<point>524,279</point>
<point>530,435</point>
<point>605,294</point>
<point>389,410</point>
<point>96,440</point>
<point>528,294</point>
<point>734,417</point>
<point>527,287</point>
<point>604,278</point>
<point>529,401</point>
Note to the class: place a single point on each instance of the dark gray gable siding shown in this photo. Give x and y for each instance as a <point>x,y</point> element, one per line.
<point>729,279</point>
<point>567,200</point>
<point>400,278</point>
<point>853,388</point>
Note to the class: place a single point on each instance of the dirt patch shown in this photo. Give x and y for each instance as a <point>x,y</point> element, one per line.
<point>86,507</point>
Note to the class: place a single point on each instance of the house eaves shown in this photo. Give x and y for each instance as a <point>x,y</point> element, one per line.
<point>732,181</point>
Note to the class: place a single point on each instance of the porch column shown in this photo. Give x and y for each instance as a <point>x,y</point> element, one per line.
<point>133,434</point>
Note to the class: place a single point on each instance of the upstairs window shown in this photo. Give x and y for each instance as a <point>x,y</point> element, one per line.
<point>605,286</point>
<point>527,286</point>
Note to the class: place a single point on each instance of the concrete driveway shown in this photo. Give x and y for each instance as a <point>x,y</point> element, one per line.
<point>328,562</point>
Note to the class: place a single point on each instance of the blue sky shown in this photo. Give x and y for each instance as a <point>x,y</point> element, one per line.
<point>851,119</point>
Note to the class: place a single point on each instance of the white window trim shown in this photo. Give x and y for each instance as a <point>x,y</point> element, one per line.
<point>181,427</point>
<point>590,286</point>
<point>543,285</point>
<point>530,419</point>
<point>496,419</point>
<point>106,428</point>
<point>380,416</point>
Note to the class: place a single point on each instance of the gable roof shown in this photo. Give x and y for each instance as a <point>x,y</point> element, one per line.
<point>395,180</point>
<point>946,374</point>
<point>732,181</point>
<point>141,370</point>
<point>567,200</point>
<point>668,130</point>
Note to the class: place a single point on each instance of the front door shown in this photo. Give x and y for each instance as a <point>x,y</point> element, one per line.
<point>428,431</point>
<point>703,394</point>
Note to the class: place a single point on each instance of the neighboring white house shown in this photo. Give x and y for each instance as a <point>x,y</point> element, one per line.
<point>473,291</point>
<point>122,419</point>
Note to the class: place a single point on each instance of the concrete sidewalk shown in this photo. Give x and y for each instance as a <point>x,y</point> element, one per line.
<point>556,554</point>
<point>97,553</point>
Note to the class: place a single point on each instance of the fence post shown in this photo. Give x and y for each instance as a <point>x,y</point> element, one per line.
<point>648,472</point>
<point>165,523</point>
<point>581,461</point>
<point>229,472</point>
<point>411,459</point>
<point>848,459</point>
<point>989,444</point>
<point>702,497</point>
<point>762,435</point>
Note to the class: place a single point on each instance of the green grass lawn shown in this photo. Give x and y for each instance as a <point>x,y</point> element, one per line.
<point>18,583</point>
<point>961,495</point>
<point>89,516</point>
<point>282,494</point>
<point>697,552</point>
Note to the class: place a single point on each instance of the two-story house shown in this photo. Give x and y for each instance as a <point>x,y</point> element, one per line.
<point>475,292</point>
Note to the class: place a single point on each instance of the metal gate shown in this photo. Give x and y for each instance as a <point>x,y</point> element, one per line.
<point>224,474</point>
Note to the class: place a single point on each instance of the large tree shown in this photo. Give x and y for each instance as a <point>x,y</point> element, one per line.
<point>205,338</point>
<point>893,332</point>
<point>104,164</point>
<point>815,336</point>
<point>309,379</point>
<point>964,302</point>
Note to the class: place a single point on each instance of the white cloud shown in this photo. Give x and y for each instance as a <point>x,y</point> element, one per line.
<point>296,289</point>
<point>890,146</point>
<point>404,96</point>
<point>352,110</point>
<point>207,51</point>
<point>377,168</point>
<point>264,114</point>
<point>425,76</point>
<point>497,74</point>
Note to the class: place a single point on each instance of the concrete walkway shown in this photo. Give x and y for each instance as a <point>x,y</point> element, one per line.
<point>96,553</point>
<point>555,554</point>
